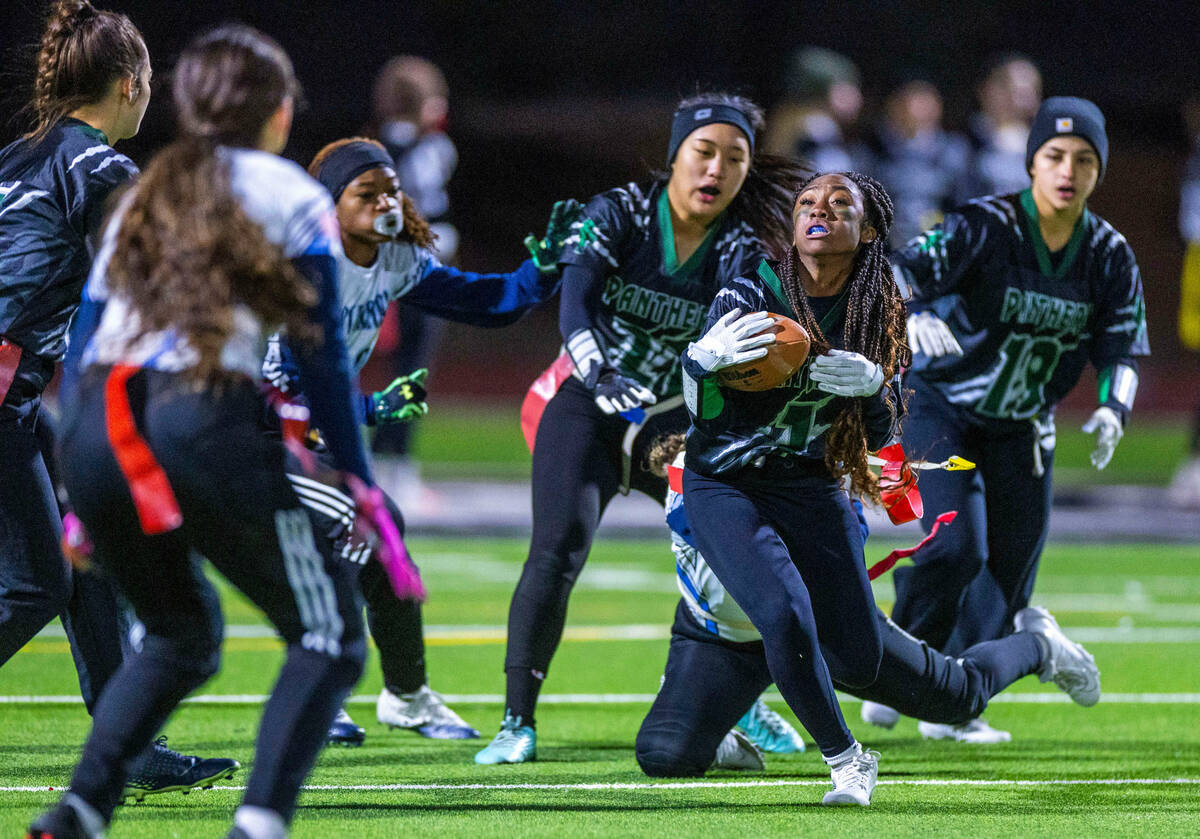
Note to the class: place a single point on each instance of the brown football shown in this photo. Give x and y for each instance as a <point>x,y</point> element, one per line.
<point>782,360</point>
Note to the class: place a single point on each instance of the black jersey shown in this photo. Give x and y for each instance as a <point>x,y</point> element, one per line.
<point>1027,320</point>
<point>732,429</point>
<point>646,307</point>
<point>52,203</point>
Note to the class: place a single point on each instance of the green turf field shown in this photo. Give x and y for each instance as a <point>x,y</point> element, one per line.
<point>462,439</point>
<point>1112,770</point>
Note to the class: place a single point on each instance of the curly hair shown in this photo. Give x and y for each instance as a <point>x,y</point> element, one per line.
<point>663,452</point>
<point>416,228</point>
<point>874,327</point>
<point>187,254</point>
<point>82,51</point>
<point>768,193</point>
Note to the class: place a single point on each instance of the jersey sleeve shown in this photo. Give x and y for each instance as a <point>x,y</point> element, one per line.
<point>479,299</point>
<point>1119,326</point>
<point>92,178</point>
<point>591,252</point>
<point>933,264</point>
<point>706,405</point>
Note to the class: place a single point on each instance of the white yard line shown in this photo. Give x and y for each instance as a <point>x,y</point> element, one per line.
<point>661,631</point>
<point>678,785</point>
<point>627,699</point>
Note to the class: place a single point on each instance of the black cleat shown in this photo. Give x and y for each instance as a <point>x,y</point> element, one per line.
<point>344,732</point>
<point>164,770</point>
<point>60,823</point>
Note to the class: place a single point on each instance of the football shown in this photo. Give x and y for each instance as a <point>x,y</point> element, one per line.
<point>783,359</point>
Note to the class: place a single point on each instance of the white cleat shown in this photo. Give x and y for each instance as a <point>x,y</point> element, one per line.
<point>877,714</point>
<point>423,711</point>
<point>854,779</point>
<point>976,731</point>
<point>1068,664</point>
<point>737,751</point>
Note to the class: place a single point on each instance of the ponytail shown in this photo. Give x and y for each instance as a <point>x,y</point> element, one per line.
<point>82,51</point>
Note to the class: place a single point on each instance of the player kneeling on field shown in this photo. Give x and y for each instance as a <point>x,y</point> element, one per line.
<point>717,669</point>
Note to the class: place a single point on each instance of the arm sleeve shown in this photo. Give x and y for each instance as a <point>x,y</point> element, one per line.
<point>592,251</point>
<point>933,264</point>
<point>480,299</point>
<point>1119,325</point>
<point>324,368</point>
<point>92,182</point>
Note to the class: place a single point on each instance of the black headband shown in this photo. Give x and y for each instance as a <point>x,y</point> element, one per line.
<point>687,120</point>
<point>345,164</point>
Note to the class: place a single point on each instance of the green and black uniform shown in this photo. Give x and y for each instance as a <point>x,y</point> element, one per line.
<point>773,522</point>
<point>1028,321</point>
<point>630,308</point>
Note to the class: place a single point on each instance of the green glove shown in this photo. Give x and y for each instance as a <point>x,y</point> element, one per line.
<point>403,400</point>
<point>545,252</point>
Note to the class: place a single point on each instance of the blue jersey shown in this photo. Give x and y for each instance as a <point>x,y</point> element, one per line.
<point>642,305</point>
<point>1027,320</point>
<point>731,429</point>
<point>52,203</point>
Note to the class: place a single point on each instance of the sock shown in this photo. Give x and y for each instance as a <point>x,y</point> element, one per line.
<point>89,816</point>
<point>521,695</point>
<point>260,822</point>
<point>834,761</point>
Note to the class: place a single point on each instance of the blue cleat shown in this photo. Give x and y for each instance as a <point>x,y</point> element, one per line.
<point>769,731</point>
<point>343,731</point>
<point>515,743</point>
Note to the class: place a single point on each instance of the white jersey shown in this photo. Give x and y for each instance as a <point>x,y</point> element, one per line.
<point>707,600</point>
<point>295,213</point>
<point>366,291</point>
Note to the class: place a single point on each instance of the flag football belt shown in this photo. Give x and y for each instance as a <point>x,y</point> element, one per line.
<point>157,510</point>
<point>10,357</point>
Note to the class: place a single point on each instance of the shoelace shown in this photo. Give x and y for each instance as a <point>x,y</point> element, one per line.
<point>773,721</point>
<point>854,772</point>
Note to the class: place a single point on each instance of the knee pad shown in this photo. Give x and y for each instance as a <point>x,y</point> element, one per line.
<point>659,763</point>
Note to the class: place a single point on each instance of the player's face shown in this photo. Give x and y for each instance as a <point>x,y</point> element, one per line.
<point>136,99</point>
<point>1065,171</point>
<point>709,170</point>
<point>371,194</point>
<point>830,217</point>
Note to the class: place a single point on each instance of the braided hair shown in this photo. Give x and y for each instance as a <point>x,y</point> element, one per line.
<point>82,51</point>
<point>874,328</point>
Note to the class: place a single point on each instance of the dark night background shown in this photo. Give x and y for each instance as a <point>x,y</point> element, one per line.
<point>553,99</point>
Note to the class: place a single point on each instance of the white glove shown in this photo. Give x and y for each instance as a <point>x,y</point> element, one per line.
<point>845,373</point>
<point>1106,421</point>
<point>732,340</point>
<point>929,334</point>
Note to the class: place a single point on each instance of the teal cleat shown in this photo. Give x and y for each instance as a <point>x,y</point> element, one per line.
<point>515,743</point>
<point>769,731</point>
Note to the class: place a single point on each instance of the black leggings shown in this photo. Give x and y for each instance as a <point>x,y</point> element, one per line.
<point>577,469</point>
<point>711,682</point>
<point>238,510</point>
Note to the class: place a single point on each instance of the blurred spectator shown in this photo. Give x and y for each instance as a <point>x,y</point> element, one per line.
<point>1185,486</point>
<point>919,162</point>
<point>411,109</point>
<point>1008,100</point>
<point>821,100</point>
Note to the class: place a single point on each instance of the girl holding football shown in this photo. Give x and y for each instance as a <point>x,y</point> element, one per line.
<point>1011,296</point>
<point>764,470</point>
<point>640,269</point>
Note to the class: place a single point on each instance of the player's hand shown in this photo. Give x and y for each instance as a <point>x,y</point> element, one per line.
<point>403,400</point>
<point>929,334</point>
<point>1105,421</point>
<point>77,546</point>
<point>615,393</point>
<point>845,373</point>
<point>546,251</point>
<point>733,339</point>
